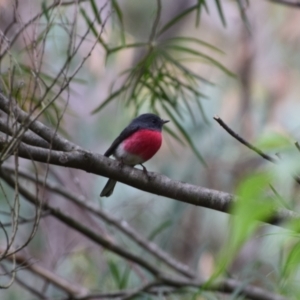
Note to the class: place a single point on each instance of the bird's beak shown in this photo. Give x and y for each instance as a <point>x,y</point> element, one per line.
<point>165,121</point>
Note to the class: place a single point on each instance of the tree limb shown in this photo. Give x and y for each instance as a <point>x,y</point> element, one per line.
<point>152,182</point>
<point>74,224</point>
<point>122,225</point>
<point>63,284</point>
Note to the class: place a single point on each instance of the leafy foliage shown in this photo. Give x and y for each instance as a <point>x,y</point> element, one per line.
<point>160,81</point>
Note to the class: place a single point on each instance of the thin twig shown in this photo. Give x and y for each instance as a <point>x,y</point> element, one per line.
<point>286,3</point>
<point>244,142</point>
<point>250,146</point>
<point>26,286</point>
<point>59,282</point>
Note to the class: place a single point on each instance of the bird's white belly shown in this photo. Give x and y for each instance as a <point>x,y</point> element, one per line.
<point>127,158</point>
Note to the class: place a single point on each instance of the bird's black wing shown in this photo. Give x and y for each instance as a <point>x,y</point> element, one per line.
<point>129,130</point>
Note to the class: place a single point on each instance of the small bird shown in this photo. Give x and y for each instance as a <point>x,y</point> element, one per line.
<point>136,144</point>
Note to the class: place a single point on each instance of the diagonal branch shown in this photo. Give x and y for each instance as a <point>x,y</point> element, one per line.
<point>71,222</point>
<point>28,137</point>
<point>44,273</point>
<point>250,146</point>
<point>122,225</point>
<point>152,182</point>
<point>243,141</point>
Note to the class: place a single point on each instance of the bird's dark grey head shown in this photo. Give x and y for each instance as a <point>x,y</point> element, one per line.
<point>149,121</point>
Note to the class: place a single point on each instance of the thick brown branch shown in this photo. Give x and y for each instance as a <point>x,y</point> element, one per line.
<point>152,182</point>
<point>71,222</point>
<point>122,225</point>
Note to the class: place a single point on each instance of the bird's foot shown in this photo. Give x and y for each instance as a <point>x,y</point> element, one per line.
<point>121,163</point>
<point>145,171</point>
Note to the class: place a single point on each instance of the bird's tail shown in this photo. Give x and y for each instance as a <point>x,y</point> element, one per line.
<point>109,188</point>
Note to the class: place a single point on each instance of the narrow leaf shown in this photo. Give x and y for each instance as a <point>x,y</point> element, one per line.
<point>159,229</point>
<point>220,10</point>
<point>200,54</point>
<point>176,19</point>
<point>96,12</point>
<point>119,13</point>
<point>184,133</point>
<point>110,98</point>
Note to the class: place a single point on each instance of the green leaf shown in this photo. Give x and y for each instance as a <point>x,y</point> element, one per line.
<point>174,135</point>
<point>110,98</point>
<point>96,12</point>
<point>119,13</point>
<point>126,46</point>
<point>186,85</point>
<point>45,10</point>
<point>185,39</point>
<point>200,54</point>
<point>273,141</point>
<point>252,204</point>
<point>184,133</point>
<point>292,262</point>
<point>185,70</point>
<point>125,278</point>
<point>159,229</point>
<point>176,19</point>
<point>93,29</point>
<point>114,270</point>
<point>220,10</point>
<point>199,7</point>
<point>241,6</point>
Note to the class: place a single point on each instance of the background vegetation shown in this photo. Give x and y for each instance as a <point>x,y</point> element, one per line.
<point>74,73</point>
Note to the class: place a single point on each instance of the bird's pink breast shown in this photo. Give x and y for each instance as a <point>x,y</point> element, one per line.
<point>144,143</point>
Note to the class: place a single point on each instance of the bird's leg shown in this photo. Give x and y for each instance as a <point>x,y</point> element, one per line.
<point>121,163</point>
<point>145,171</point>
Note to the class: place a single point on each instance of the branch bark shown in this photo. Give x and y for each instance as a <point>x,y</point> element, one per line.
<point>152,182</point>
<point>61,283</point>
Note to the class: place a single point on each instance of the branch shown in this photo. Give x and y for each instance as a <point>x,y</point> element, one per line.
<point>227,286</point>
<point>286,3</point>
<point>25,285</point>
<point>244,142</point>
<point>122,225</point>
<point>36,17</point>
<point>28,121</point>
<point>71,222</point>
<point>152,182</point>
<point>56,280</point>
<point>28,137</point>
<point>250,146</point>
